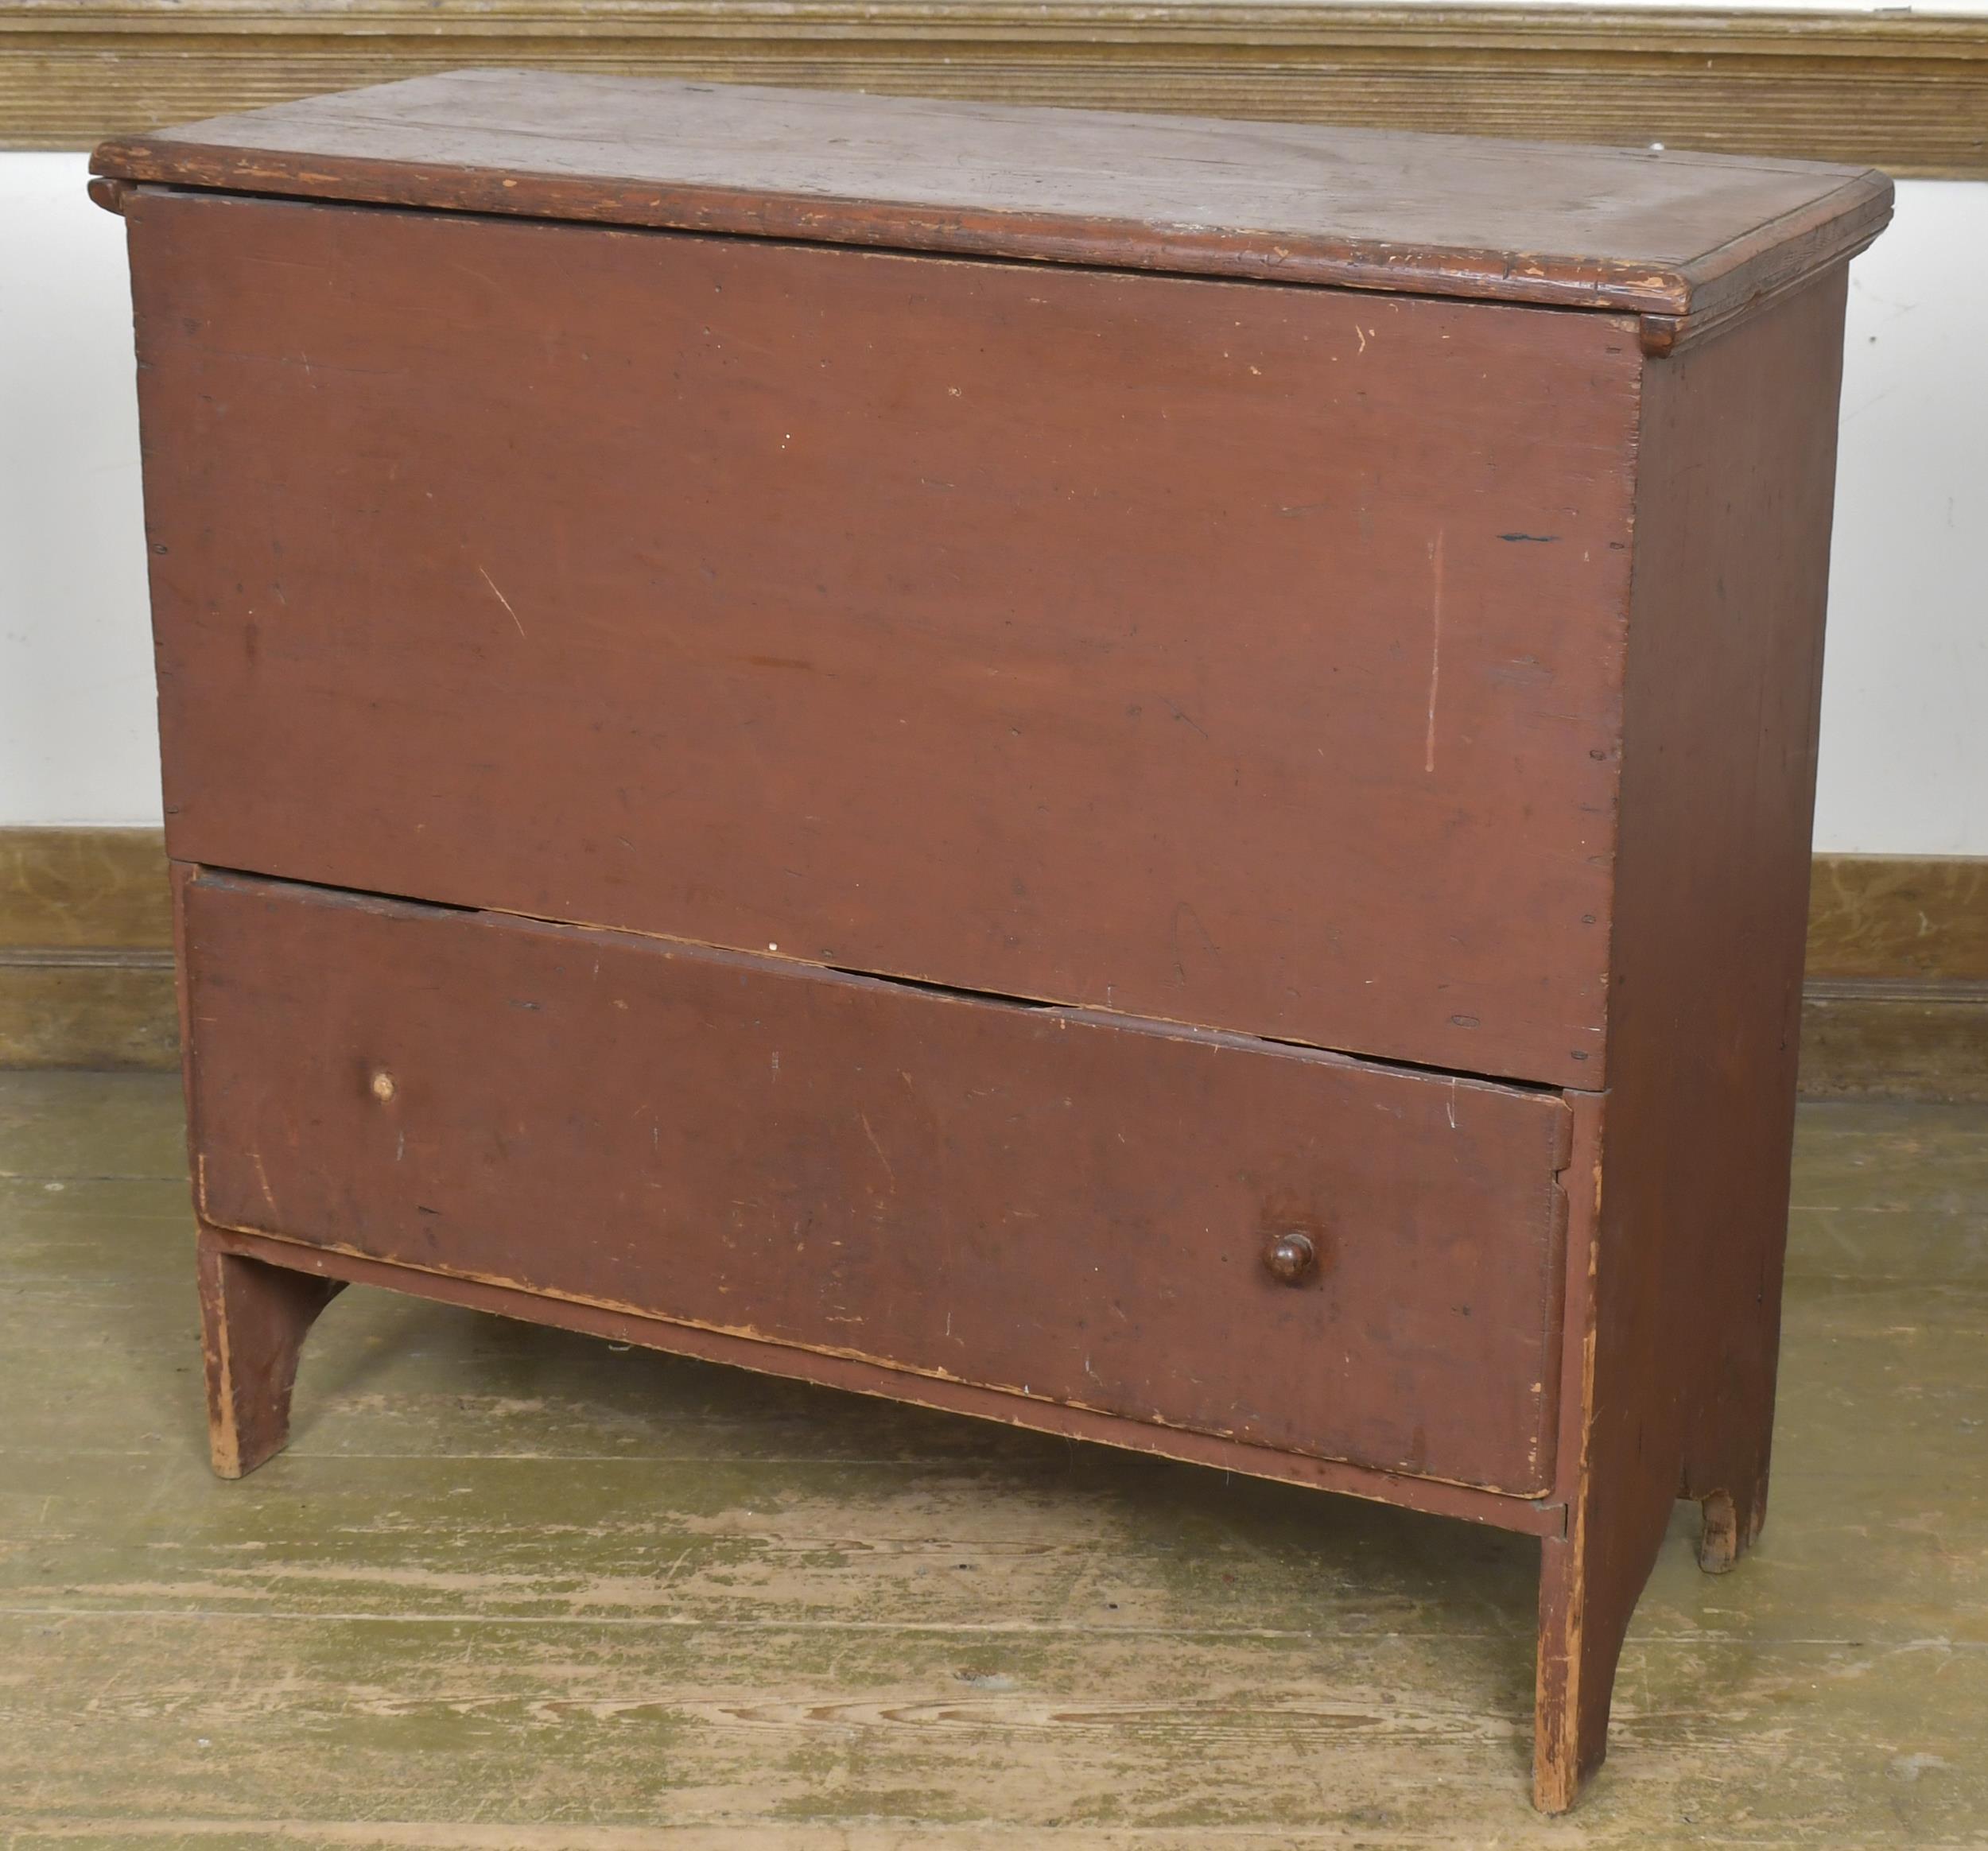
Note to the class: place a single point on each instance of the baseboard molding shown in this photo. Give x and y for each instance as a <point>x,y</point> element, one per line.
<point>1916,1038</point>
<point>86,949</point>
<point>1896,1005</point>
<point>77,1008</point>
<point>1888,88</point>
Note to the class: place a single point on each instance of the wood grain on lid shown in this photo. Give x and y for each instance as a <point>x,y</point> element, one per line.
<point>1674,236</point>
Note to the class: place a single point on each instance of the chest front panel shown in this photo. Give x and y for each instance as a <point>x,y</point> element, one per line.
<point>1217,652</point>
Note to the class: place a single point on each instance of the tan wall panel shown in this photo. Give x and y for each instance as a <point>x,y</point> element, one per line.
<point>1907,94</point>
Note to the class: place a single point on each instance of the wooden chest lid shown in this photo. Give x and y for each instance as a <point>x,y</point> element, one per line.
<point>1685,240</point>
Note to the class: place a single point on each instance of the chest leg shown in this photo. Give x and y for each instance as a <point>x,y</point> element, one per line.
<point>253,1320</point>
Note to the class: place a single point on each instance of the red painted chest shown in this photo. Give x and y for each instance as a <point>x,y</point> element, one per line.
<point>1147,778</point>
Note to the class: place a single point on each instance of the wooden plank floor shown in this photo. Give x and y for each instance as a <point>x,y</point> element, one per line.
<point>514,1588</point>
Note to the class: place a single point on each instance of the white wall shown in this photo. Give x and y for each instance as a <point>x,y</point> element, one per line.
<point>1905,722</point>
<point>78,744</point>
<point>1905,752</point>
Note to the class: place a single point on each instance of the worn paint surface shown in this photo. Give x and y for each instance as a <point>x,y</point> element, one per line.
<point>1689,240</point>
<point>511,1588</point>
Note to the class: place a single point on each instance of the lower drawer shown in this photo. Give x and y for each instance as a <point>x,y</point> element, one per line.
<point>1065,1205</point>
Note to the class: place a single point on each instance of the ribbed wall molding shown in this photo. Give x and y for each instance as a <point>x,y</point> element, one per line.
<point>1907,93</point>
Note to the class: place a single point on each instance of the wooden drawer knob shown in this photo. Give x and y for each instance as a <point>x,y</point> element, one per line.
<point>1290,1257</point>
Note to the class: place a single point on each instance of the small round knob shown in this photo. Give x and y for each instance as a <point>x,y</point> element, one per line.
<point>1290,1257</point>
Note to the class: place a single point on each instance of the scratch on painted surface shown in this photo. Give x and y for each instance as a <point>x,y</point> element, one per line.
<point>501,599</point>
<point>879,1149</point>
<point>1435,646</point>
<point>263,1177</point>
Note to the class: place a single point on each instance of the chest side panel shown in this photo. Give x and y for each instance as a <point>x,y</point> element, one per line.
<point>1229,653</point>
<point>1069,1207</point>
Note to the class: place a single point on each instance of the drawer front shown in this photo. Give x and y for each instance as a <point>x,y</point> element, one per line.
<point>1071,1207</point>
<point>1231,654</point>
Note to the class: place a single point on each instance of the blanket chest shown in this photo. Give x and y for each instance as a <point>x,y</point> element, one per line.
<point>1147,778</point>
